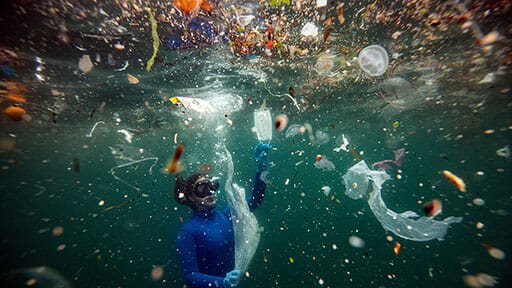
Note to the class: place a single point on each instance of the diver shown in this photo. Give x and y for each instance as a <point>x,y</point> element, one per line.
<point>206,244</point>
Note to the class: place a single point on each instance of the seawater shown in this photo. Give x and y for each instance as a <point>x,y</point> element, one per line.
<point>304,239</point>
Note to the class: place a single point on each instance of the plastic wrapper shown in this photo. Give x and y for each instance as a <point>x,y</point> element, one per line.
<point>245,224</point>
<point>325,164</point>
<point>294,130</point>
<point>357,181</point>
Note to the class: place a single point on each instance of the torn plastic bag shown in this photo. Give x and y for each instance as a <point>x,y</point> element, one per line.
<point>357,180</point>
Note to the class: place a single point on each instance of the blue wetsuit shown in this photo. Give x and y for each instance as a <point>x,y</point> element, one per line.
<point>206,244</point>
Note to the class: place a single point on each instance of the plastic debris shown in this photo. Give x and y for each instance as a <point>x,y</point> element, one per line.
<point>263,124</point>
<point>343,142</point>
<point>321,3</point>
<point>195,104</point>
<point>504,152</point>
<point>397,248</point>
<point>156,41</point>
<point>174,166</point>
<point>357,181</point>
<point>85,64</point>
<point>17,113</point>
<point>309,30</point>
<point>374,60</point>
<point>127,135</point>
<point>494,252</point>
<point>321,137</point>
<point>433,208</point>
<point>246,229</point>
<point>132,79</point>
<point>326,190</point>
<point>356,241</point>
<point>295,129</point>
<point>93,128</point>
<point>245,20</point>
<point>281,122</point>
<point>458,182</point>
<point>324,164</point>
<point>480,280</point>
<point>339,9</point>
<point>399,156</point>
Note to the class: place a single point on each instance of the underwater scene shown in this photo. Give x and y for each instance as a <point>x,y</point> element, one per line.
<point>259,143</point>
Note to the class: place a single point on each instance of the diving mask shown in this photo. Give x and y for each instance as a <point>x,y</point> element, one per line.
<point>205,188</point>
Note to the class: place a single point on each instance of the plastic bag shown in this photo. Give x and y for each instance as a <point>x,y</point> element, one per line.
<point>357,180</point>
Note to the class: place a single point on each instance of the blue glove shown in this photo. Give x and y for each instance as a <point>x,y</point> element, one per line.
<point>232,279</point>
<point>261,156</point>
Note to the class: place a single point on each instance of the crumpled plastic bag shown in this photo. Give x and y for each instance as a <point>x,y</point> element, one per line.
<point>357,182</point>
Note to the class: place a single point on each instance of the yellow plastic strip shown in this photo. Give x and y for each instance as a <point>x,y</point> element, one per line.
<point>156,41</point>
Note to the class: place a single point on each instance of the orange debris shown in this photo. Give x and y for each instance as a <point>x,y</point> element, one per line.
<point>188,6</point>
<point>132,79</point>
<point>397,248</point>
<point>15,113</point>
<point>174,166</point>
<point>15,97</point>
<point>455,180</point>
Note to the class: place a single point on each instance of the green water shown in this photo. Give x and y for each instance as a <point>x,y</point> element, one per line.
<point>304,242</point>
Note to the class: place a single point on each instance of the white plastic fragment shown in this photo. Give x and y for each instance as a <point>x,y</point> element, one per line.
<point>343,146</point>
<point>488,78</point>
<point>309,30</point>
<point>326,190</point>
<point>85,64</point>
<point>321,3</point>
<point>504,152</point>
<point>356,242</point>
<point>127,135</point>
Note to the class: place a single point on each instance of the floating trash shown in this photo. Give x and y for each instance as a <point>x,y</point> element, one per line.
<point>281,122</point>
<point>494,252</point>
<point>324,164</point>
<point>458,182</point>
<point>295,129</point>
<point>479,280</point>
<point>356,242</point>
<point>157,273</point>
<point>309,30</point>
<point>263,124</point>
<point>343,142</point>
<point>321,137</point>
<point>373,60</point>
<point>504,152</point>
<point>479,201</point>
<point>403,224</point>
<point>433,208</point>
<point>85,64</point>
<point>326,190</point>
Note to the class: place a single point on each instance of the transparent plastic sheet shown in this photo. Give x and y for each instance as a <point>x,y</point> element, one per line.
<point>357,180</point>
<point>245,224</point>
<point>293,130</point>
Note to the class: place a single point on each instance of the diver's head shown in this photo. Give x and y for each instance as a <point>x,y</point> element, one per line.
<point>196,191</point>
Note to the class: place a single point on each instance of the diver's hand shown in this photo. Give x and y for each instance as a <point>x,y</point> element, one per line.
<point>232,279</point>
<point>261,156</point>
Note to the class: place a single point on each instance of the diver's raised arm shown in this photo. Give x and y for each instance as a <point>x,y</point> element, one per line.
<point>258,190</point>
